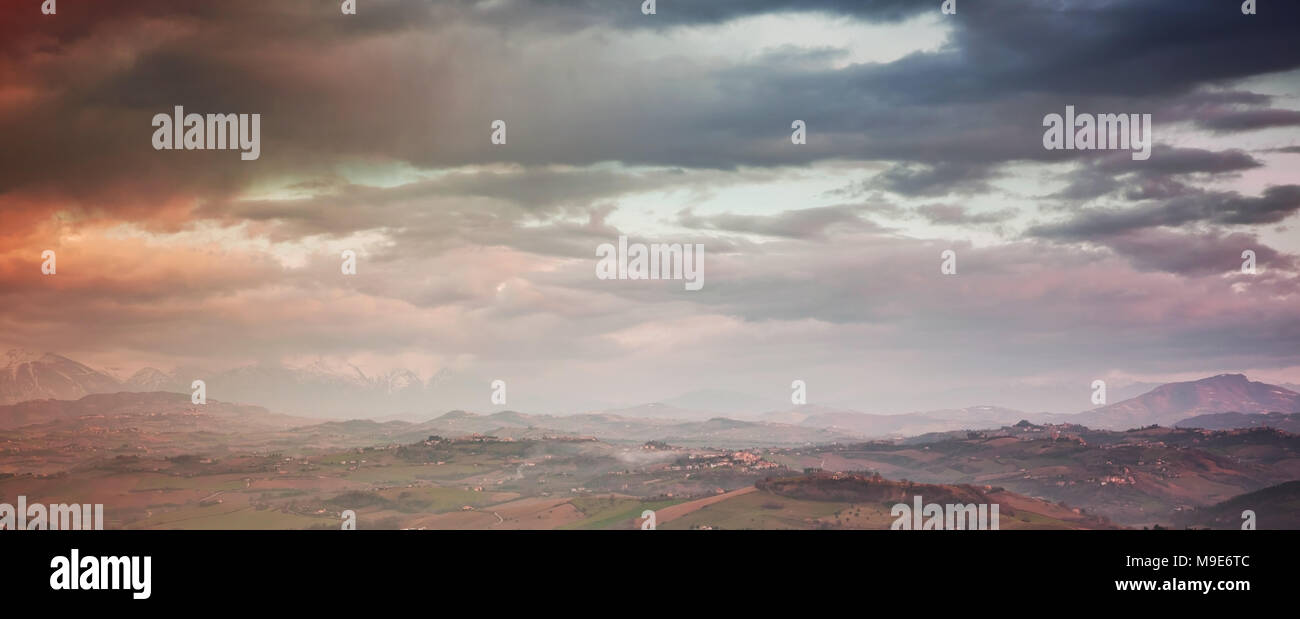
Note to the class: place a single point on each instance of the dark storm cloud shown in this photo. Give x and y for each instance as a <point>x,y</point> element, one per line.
<point>935,180</point>
<point>1194,253</point>
<point>328,87</point>
<point>1248,120</point>
<point>1174,160</point>
<point>1225,208</point>
<point>1100,47</point>
<point>1102,174</point>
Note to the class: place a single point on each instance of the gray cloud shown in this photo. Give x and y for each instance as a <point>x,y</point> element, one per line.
<point>1227,208</point>
<point>1173,160</point>
<point>939,179</point>
<point>1158,177</point>
<point>1194,253</point>
<point>1247,120</point>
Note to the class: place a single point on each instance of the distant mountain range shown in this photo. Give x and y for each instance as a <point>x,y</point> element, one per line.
<point>319,389</point>
<point>156,404</point>
<point>911,424</point>
<point>27,376</point>
<point>1169,404</point>
<point>1134,477</point>
<point>715,432</point>
<point>1166,405</point>
<point>329,390</point>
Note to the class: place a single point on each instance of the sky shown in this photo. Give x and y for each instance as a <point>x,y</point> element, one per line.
<point>924,133</point>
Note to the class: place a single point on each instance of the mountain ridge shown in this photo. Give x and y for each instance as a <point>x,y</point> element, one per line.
<point>327,390</point>
<point>1173,402</point>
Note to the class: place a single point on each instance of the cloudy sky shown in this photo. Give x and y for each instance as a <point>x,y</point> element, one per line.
<point>924,134</point>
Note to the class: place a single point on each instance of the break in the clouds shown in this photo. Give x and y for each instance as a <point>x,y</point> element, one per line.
<point>924,134</point>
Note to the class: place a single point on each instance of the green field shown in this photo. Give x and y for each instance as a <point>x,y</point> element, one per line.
<point>152,481</point>
<point>217,517</point>
<point>436,499</point>
<point>757,510</point>
<point>605,512</point>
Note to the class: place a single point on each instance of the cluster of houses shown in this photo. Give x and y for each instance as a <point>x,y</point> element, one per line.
<point>743,461</point>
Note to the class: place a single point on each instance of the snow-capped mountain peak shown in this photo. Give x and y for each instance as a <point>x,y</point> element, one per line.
<point>331,371</point>
<point>150,379</point>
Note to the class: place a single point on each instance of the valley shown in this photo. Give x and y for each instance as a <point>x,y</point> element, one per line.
<point>1193,454</point>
